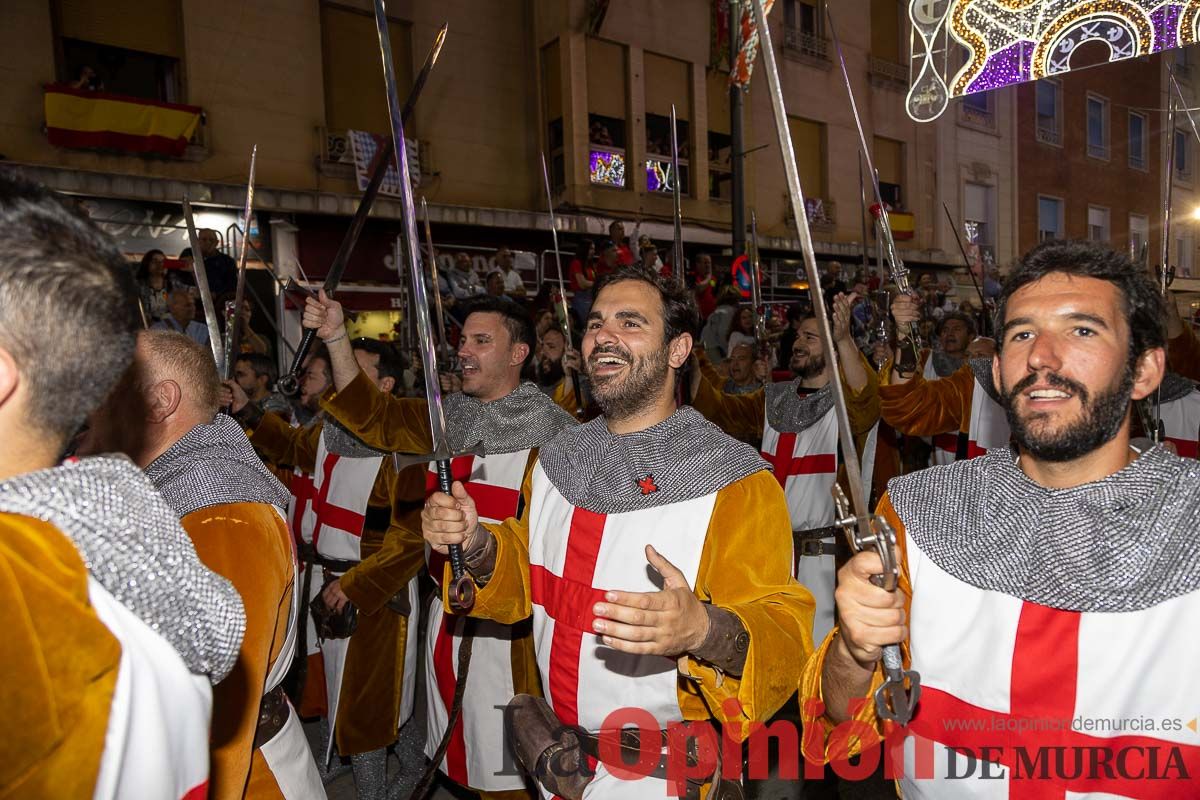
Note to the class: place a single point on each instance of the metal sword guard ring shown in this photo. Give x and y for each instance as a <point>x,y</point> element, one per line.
<point>462,594</point>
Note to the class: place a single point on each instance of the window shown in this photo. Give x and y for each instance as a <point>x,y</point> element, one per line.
<point>355,98</point>
<point>667,82</point>
<point>1137,140</point>
<point>1097,127</point>
<point>132,47</point>
<point>1183,152</point>
<point>802,16</point>
<point>977,217</point>
<point>606,97</point>
<point>1184,250</point>
<point>885,30</point>
<point>1098,227</point>
<point>1050,218</point>
<point>720,144</point>
<point>808,142</point>
<point>889,160</point>
<point>1049,111</point>
<point>1139,236</point>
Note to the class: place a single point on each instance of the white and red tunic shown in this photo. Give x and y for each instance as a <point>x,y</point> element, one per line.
<point>986,429</point>
<point>1181,418</point>
<point>805,463</point>
<point>476,755</point>
<point>1073,704</point>
<point>568,575</point>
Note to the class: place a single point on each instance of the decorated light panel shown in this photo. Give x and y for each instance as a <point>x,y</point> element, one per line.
<point>1012,41</point>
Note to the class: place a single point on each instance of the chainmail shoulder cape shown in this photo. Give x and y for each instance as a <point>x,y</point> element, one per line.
<point>982,367</point>
<point>1175,387</point>
<point>522,419</point>
<point>132,543</point>
<point>945,365</point>
<point>788,412</point>
<point>1124,543</point>
<point>341,442</point>
<point>211,465</point>
<point>685,456</point>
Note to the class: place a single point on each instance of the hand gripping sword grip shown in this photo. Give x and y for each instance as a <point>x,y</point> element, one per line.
<point>462,591</point>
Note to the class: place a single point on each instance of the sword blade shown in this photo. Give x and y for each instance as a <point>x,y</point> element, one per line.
<point>756,298</point>
<point>676,192</point>
<point>206,299</point>
<point>580,401</point>
<point>233,327</point>
<point>796,198</point>
<point>433,278</point>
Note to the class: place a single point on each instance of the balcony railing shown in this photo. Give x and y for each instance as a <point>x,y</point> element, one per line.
<point>1137,160</point>
<point>803,43</point>
<point>887,73</point>
<point>1098,150</point>
<point>1048,135</point>
<point>976,116</point>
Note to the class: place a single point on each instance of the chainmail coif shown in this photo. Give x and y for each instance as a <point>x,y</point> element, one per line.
<point>789,412</point>
<point>687,456</point>
<point>214,464</point>
<point>1124,543</point>
<point>132,543</point>
<point>522,419</point>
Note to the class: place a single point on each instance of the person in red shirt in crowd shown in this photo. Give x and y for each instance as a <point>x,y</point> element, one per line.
<point>610,259</point>
<point>582,274</point>
<point>705,286</point>
<point>616,231</point>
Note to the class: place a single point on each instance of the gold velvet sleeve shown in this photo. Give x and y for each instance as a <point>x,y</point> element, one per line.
<point>739,415</point>
<point>248,544</point>
<point>745,568</point>
<point>389,567</point>
<point>1183,354</point>
<point>281,444</point>
<point>60,666</point>
<point>382,421</point>
<point>863,405</point>
<point>927,408</point>
<point>506,597</point>
<point>812,698</point>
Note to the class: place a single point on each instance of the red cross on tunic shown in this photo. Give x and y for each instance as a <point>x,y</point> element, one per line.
<point>301,487</point>
<point>1185,447</point>
<point>492,502</point>
<point>785,463</point>
<point>949,443</point>
<point>1045,673</point>
<point>327,513</point>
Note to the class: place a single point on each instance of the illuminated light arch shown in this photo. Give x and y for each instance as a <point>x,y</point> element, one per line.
<point>1122,27</point>
<point>1189,24</point>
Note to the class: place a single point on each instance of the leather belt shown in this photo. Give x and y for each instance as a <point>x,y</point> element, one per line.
<point>630,748</point>
<point>309,555</point>
<point>810,542</point>
<point>273,713</point>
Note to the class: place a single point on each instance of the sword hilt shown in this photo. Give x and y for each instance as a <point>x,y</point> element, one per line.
<point>289,384</point>
<point>462,591</point>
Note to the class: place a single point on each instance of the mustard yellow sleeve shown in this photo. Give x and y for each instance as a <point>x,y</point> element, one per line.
<point>863,405</point>
<point>281,444</point>
<point>506,597</point>
<point>745,568</point>
<point>380,420</point>
<point>739,415</point>
<point>1183,354</point>
<point>565,397</point>
<point>387,569</point>
<point>927,408</point>
<point>247,543</point>
<point>812,698</point>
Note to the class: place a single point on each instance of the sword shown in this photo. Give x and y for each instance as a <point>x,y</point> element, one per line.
<point>983,315</point>
<point>462,594</point>
<point>899,273</point>
<point>443,343</point>
<point>760,322</point>
<point>862,215</point>
<point>289,384</point>
<point>206,299</point>
<point>677,247</point>
<point>580,397</point>
<point>233,327</point>
<point>893,700</point>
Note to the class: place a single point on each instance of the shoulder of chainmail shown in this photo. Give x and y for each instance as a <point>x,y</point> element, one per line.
<point>685,456</point>
<point>789,412</point>
<point>341,442</point>
<point>1124,543</point>
<point>214,464</point>
<point>1175,387</point>
<point>524,418</point>
<point>132,543</point>
<point>945,365</point>
<point>982,369</point>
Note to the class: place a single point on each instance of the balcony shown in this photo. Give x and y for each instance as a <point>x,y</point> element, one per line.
<point>1049,135</point>
<point>336,159</point>
<point>979,116</point>
<point>887,74</point>
<point>807,47</point>
<point>80,119</point>
<point>821,213</point>
<point>1098,150</point>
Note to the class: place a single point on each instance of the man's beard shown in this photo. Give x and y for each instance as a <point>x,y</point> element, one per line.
<point>812,367</point>
<point>621,397</point>
<point>550,372</point>
<point>1099,420</point>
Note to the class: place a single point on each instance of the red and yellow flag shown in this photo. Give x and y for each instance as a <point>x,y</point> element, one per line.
<point>83,119</point>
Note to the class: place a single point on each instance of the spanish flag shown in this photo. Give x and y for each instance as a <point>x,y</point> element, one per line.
<point>82,119</point>
<point>903,225</point>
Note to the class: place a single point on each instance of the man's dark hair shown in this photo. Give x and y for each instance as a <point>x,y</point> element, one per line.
<point>680,314</point>
<point>1145,309</point>
<point>389,365</point>
<point>261,365</point>
<point>63,283</point>
<point>961,317</point>
<point>516,320</point>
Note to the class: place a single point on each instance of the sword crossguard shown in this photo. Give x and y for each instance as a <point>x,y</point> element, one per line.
<point>462,594</point>
<point>881,538</point>
<point>288,385</point>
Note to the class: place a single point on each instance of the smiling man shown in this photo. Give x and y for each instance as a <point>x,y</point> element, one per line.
<point>652,551</point>
<point>1050,581</point>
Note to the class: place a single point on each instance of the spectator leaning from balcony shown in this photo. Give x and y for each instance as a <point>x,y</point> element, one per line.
<point>514,284</point>
<point>220,268</point>
<point>616,232</point>
<point>464,283</point>
<point>182,317</point>
<point>583,276</point>
<point>154,284</point>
